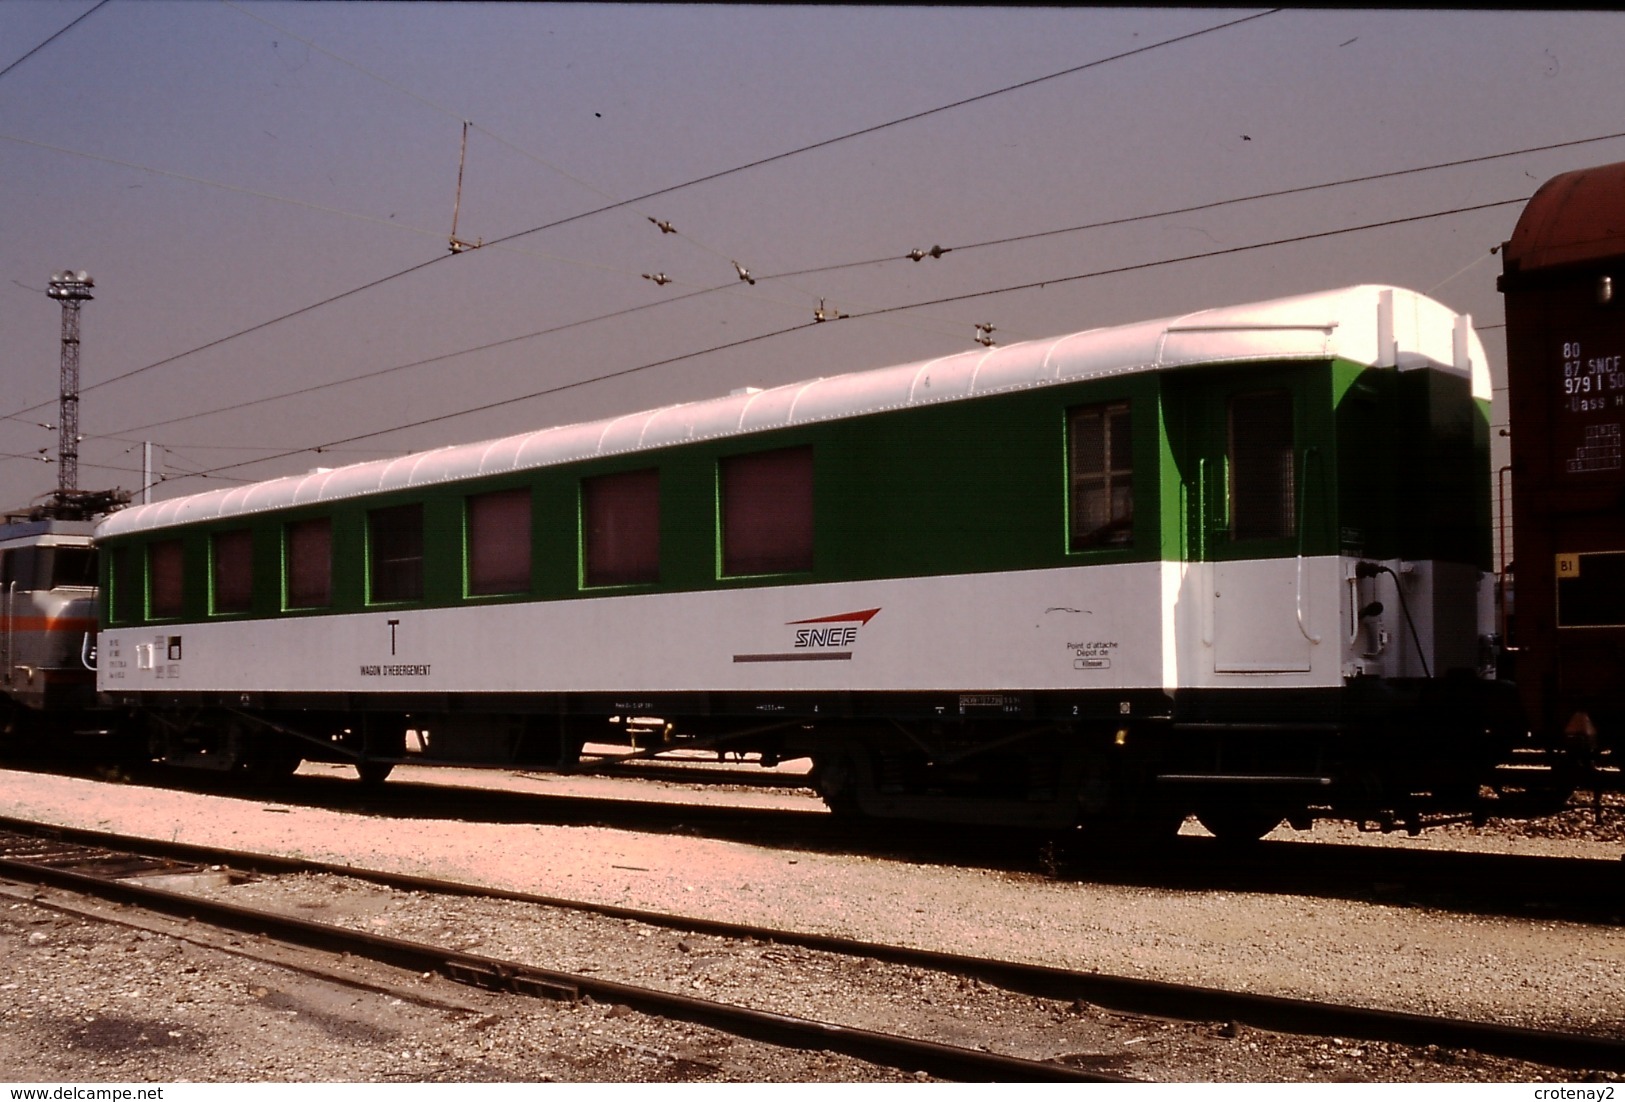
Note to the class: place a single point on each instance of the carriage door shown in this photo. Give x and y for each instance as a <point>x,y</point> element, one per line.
<point>1243,480</point>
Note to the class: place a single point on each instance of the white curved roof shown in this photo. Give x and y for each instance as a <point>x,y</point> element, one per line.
<point>1373,325</point>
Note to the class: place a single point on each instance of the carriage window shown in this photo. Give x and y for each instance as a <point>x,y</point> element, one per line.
<point>125,581</point>
<point>165,579</point>
<point>1100,449</point>
<point>499,542</point>
<point>1263,478</point>
<point>767,512</point>
<point>307,559</point>
<point>395,553</point>
<point>231,556</point>
<point>620,528</point>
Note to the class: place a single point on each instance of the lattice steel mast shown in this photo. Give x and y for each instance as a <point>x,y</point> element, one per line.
<point>72,288</point>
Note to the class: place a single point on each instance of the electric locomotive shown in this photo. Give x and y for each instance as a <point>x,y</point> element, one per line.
<point>47,628</point>
<point>1233,563</point>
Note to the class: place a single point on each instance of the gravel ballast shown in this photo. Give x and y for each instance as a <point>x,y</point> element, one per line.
<point>1513,970</point>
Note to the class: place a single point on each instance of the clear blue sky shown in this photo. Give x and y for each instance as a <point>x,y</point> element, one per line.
<point>218,165</point>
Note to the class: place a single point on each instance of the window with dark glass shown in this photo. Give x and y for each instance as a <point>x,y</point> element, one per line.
<point>165,579</point>
<point>129,587</point>
<point>1100,450</point>
<point>307,557</point>
<point>395,554</point>
<point>18,567</point>
<point>767,512</point>
<point>620,528</point>
<point>72,566</point>
<point>499,542</point>
<point>1263,472</point>
<point>231,571</point>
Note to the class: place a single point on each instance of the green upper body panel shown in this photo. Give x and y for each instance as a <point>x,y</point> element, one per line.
<point>1273,430</point>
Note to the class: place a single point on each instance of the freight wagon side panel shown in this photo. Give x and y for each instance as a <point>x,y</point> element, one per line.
<point>1566,387</point>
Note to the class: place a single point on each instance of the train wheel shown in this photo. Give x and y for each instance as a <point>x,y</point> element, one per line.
<point>382,736</point>
<point>269,772</point>
<point>1136,829</point>
<point>1159,826</point>
<point>374,772</point>
<point>836,779</point>
<point>1239,823</point>
<point>19,735</point>
<point>258,754</point>
<point>271,766</point>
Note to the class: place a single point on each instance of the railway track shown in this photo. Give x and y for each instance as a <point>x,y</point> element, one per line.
<point>108,856</point>
<point>96,869</point>
<point>1580,889</point>
<point>1583,889</point>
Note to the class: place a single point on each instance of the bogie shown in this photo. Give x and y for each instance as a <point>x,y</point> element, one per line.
<point>1238,821</point>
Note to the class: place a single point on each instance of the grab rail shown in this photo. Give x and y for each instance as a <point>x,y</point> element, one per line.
<point>1303,484</point>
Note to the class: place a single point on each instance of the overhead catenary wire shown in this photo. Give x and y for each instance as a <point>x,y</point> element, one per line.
<point>1459,272</point>
<point>1229,251</point>
<point>619,204</point>
<point>1279,193</point>
<point>87,14</point>
<point>433,105</point>
<point>1235,200</point>
<point>666,226</point>
<point>458,245</point>
<point>524,397</point>
<point>392,224</point>
<point>765,276</point>
<point>916,116</point>
<point>334,445</point>
<point>769,277</point>
<point>380,372</point>
<point>623,372</point>
<point>743,273</point>
<point>305,204</point>
<point>883,311</point>
<point>870,313</point>
<point>193,446</point>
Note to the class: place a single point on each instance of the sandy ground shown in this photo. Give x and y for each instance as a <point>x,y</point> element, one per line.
<point>1485,967</point>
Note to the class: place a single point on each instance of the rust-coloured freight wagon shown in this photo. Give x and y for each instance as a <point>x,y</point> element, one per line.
<point>1564,282</point>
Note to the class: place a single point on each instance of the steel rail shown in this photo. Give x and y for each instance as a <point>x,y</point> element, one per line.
<point>491,973</point>
<point>1183,1002</point>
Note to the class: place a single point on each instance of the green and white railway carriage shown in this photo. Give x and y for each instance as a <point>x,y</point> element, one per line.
<point>1228,563</point>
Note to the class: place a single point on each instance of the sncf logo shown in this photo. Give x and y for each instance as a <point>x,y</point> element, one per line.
<point>821,639</point>
<point>831,631</point>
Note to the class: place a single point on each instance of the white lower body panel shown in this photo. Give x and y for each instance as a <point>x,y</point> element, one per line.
<point>1137,626</point>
